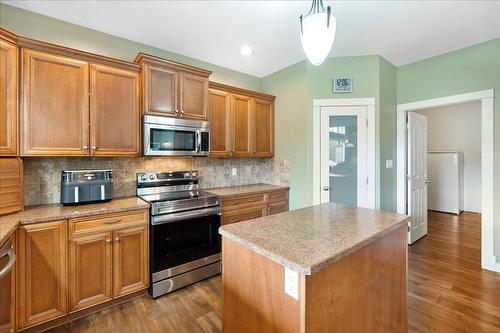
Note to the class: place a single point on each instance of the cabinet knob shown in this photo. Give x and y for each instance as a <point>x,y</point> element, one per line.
<point>117,239</point>
<point>85,148</point>
<point>93,149</point>
<point>109,241</point>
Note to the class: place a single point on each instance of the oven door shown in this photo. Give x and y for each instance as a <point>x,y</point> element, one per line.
<point>181,242</point>
<point>161,140</point>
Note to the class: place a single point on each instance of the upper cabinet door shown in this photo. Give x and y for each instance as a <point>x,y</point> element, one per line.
<point>193,95</point>
<point>219,107</point>
<point>241,119</point>
<point>8,98</point>
<point>114,111</point>
<point>263,128</point>
<point>55,112</point>
<point>160,91</point>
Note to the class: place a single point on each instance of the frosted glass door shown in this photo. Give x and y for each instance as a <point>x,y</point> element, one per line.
<point>343,156</point>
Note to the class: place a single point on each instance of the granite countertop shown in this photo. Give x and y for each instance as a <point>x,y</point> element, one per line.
<point>309,239</point>
<point>46,213</point>
<point>245,189</point>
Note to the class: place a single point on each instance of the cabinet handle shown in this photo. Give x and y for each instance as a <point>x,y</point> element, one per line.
<point>254,151</point>
<point>253,217</point>
<point>234,221</point>
<point>109,241</point>
<point>234,203</point>
<point>12,258</point>
<point>112,221</point>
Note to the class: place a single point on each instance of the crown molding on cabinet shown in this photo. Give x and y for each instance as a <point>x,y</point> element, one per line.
<point>144,57</point>
<point>240,91</point>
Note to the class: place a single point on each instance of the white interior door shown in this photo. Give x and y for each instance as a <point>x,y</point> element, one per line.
<point>343,154</point>
<point>417,176</point>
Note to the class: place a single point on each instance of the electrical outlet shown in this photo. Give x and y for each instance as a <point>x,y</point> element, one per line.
<point>292,283</point>
<point>234,171</point>
<point>388,164</point>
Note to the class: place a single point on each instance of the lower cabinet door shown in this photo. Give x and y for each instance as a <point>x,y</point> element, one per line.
<point>130,260</point>
<point>90,270</point>
<point>277,207</point>
<point>242,215</point>
<point>42,273</point>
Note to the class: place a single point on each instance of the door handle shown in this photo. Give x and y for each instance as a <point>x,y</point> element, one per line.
<point>427,181</point>
<point>326,188</point>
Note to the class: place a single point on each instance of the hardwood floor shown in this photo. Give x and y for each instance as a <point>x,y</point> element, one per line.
<point>448,291</point>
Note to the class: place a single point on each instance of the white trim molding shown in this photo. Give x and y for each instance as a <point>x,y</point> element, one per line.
<point>369,103</point>
<point>486,97</point>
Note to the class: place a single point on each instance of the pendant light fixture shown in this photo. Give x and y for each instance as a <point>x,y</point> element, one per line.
<point>317,32</point>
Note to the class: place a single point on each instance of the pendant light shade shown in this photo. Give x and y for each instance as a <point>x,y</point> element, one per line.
<point>317,32</point>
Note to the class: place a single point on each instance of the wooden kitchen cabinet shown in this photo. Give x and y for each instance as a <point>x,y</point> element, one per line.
<point>238,208</point>
<point>8,93</point>
<point>172,89</point>
<point>7,286</point>
<point>130,260</point>
<point>42,273</point>
<point>77,104</point>
<point>263,128</point>
<point>193,93</point>
<point>220,123</point>
<point>108,257</point>
<point>241,128</point>
<point>90,269</point>
<point>55,114</point>
<point>114,111</point>
<point>245,126</point>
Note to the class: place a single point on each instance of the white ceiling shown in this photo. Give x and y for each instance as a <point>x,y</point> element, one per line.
<point>214,31</point>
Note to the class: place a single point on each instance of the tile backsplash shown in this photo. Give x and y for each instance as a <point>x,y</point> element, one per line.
<point>42,174</point>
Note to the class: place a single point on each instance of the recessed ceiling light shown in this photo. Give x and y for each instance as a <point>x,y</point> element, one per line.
<point>246,50</point>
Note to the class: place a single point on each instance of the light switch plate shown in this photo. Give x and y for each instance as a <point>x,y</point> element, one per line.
<point>388,164</point>
<point>234,171</point>
<point>292,283</point>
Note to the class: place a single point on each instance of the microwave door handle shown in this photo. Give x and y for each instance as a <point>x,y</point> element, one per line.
<point>198,141</point>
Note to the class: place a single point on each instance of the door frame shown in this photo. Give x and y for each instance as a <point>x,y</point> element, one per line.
<point>369,103</point>
<point>486,97</point>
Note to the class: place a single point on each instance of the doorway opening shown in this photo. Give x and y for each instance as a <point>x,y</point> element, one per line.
<point>435,170</point>
<point>344,151</point>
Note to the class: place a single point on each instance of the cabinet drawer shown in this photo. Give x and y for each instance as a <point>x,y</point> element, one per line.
<point>107,221</point>
<point>278,196</point>
<point>242,215</point>
<point>232,203</point>
<point>277,207</point>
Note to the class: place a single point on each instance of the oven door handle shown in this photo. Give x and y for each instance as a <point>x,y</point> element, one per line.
<point>174,217</point>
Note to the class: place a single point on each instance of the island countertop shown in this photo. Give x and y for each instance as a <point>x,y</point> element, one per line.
<point>309,239</point>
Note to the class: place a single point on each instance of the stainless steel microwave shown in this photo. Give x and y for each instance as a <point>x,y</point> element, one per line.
<point>164,136</point>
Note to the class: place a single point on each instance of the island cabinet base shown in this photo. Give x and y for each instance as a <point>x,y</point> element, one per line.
<point>365,291</point>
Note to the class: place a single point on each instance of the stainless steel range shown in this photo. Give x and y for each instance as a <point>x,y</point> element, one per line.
<point>185,245</point>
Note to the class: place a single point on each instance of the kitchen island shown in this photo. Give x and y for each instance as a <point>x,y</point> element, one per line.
<point>325,268</point>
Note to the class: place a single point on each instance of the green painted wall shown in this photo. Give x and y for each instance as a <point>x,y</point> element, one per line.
<point>466,70</point>
<point>291,128</point>
<point>295,88</point>
<point>387,137</point>
<point>33,25</point>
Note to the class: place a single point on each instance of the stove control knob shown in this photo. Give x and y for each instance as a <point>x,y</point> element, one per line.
<point>151,177</point>
<point>187,175</point>
<point>143,177</point>
<point>193,174</point>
